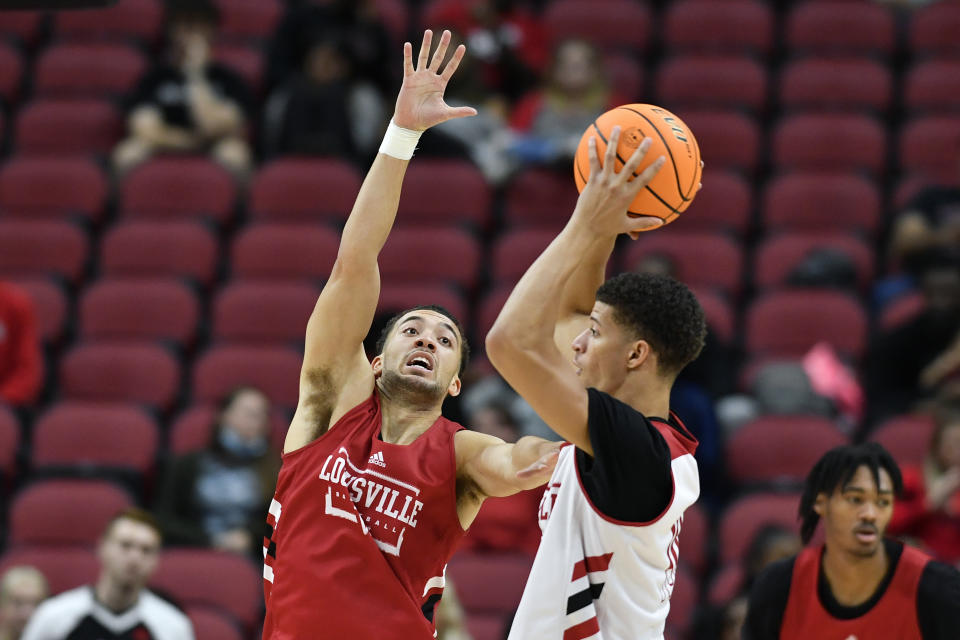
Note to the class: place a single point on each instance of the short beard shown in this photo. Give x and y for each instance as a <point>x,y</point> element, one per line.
<point>410,390</point>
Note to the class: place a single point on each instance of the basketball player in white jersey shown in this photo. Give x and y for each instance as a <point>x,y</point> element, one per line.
<point>614,506</point>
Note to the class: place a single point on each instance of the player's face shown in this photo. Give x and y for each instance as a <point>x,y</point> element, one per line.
<point>600,352</point>
<point>857,514</point>
<point>422,355</point>
<point>248,415</point>
<point>18,604</point>
<point>129,553</point>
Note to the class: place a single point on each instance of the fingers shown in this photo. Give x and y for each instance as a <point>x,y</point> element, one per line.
<point>595,167</point>
<point>407,59</point>
<point>460,112</point>
<point>441,51</point>
<point>644,223</point>
<point>630,168</point>
<point>454,63</point>
<point>644,178</point>
<point>610,157</point>
<point>424,50</point>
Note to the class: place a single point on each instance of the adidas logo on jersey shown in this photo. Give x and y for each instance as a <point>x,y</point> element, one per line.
<point>377,459</point>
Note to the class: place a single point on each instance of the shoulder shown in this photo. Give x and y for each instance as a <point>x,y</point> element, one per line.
<point>940,585</point>
<point>63,608</point>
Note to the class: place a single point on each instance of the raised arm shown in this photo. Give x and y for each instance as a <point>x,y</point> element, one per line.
<point>336,374</point>
<point>521,343</point>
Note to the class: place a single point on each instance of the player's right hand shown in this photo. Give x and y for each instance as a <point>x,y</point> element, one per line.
<point>420,103</point>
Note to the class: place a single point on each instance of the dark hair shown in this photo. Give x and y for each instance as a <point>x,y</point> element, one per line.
<point>835,469</point>
<point>138,515</point>
<point>762,539</point>
<point>192,11</point>
<point>660,310</point>
<point>392,322</point>
<point>236,392</point>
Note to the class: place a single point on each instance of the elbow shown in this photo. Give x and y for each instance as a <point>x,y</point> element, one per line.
<point>499,343</point>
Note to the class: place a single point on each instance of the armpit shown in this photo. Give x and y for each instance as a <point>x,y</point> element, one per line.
<point>319,398</point>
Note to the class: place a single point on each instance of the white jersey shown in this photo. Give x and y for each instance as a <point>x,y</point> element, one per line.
<point>595,577</point>
<point>77,615</point>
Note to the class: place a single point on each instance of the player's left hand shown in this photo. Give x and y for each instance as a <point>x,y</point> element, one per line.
<point>605,199</point>
<point>420,103</point>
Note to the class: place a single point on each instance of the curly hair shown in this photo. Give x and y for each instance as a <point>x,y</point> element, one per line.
<point>392,322</point>
<point>660,310</point>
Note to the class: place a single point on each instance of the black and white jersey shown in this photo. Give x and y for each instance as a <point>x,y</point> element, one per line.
<point>76,615</point>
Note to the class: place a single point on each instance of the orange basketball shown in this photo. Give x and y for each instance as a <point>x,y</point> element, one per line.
<point>673,188</point>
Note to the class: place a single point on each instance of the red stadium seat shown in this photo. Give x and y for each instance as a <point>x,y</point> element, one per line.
<point>209,623</point>
<point>395,298</point>
<point>724,204</point>
<point>273,370</point>
<point>42,248</point>
<point>695,539</point>
<point>139,309</point>
<point>625,73</point>
<point>22,26</point>
<point>430,254</point>
<point>776,449</point>
<point>489,582</point>
<point>726,585</point>
<point>192,429</point>
<point>63,567</point>
<point>934,28</point>
<point>683,602</point>
<point>57,127</point>
<point>515,251</point>
<point>64,512</point>
<point>901,310</point>
<point>789,323</point>
<point>96,435</point>
<point>9,444</point>
<point>836,83</point>
<point>712,81</point>
<point>779,255</point>
<point>540,198</point>
<point>304,190</point>
<point>444,192</point>
<point>728,139</point>
<point>11,73</point>
<point>248,19</point>
<point>906,437</point>
<point>620,25</point>
<point>247,61</point>
<point>280,251</point>
<point>53,187</point>
<point>252,313</point>
<point>95,70</point>
<point>50,305</point>
<point>148,249</point>
<point>489,626</point>
<point>834,142</point>
<point>718,311</point>
<point>198,577</point>
<point>742,520</point>
<point>136,20</point>
<point>928,146</point>
<point>489,309</point>
<point>179,187</point>
<point>851,27</point>
<point>701,259</point>
<point>821,202</point>
<point>142,373</point>
<point>934,86</point>
<point>704,25</point>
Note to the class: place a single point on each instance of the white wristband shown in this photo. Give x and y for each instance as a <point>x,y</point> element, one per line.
<point>399,142</point>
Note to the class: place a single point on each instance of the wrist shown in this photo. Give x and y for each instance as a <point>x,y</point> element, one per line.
<point>399,142</point>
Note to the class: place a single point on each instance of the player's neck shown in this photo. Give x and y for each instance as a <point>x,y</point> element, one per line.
<point>854,579</point>
<point>650,398</point>
<point>402,424</point>
<point>115,597</point>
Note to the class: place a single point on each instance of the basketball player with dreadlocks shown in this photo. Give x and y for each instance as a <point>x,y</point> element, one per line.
<point>858,585</point>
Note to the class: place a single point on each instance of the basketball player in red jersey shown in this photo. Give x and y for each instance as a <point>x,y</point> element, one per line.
<point>858,584</point>
<point>612,512</point>
<point>376,487</point>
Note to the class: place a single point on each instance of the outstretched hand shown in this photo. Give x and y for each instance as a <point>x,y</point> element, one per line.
<point>606,198</point>
<point>420,103</point>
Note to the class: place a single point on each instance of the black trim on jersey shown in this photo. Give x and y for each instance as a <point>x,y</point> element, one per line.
<point>90,629</point>
<point>583,598</point>
<point>938,598</point>
<point>272,550</point>
<point>430,606</point>
<point>629,477</point>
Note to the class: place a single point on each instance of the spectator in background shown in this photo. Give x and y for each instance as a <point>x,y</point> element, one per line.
<point>219,496</point>
<point>188,103</point>
<point>929,510</point>
<point>509,42</point>
<point>451,619</point>
<point>550,122</point>
<point>118,606</point>
<point>912,360</point>
<point>21,363</point>
<point>22,589</point>
<point>511,523</point>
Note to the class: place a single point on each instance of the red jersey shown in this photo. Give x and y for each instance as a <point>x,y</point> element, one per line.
<point>360,531</point>
<point>894,615</point>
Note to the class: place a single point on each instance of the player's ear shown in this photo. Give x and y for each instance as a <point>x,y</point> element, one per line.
<point>639,353</point>
<point>454,387</point>
<point>820,504</point>
<point>377,365</point>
